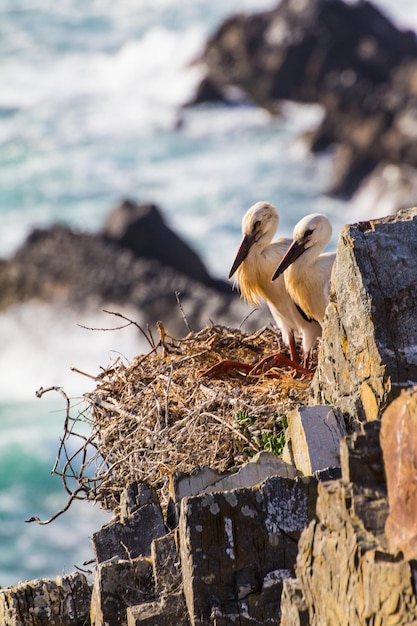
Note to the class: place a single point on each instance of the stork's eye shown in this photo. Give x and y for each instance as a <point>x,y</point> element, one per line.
<point>308,233</point>
<point>256,225</point>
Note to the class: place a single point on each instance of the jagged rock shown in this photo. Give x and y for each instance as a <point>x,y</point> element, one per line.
<point>63,601</point>
<point>345,573</point>
<point>82,271</point>
<point>348,57</point>
<point>170,606</point>
<point>361,457</point>
<point>206,480</point>
<point>300,52</point>
<point>133,535</point>
<point>368,350</point>
<point>166,565</point>
<point>294,611</point>
<point>135,496</point>
<point>237,546</point>
<point>391,187</point>
<point>398,441</point>
<point>169,611</point>
<point>118,585</point>
<point>313,438</point>
<point>142,229</point>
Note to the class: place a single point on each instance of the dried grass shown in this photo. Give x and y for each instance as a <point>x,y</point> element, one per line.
<point>158,416</point>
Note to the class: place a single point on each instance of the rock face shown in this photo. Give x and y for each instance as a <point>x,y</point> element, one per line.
<point>64,601</point>
<point>316,432</point>
<point>238,546</point>
<point>81,271</point>
<point>368,351</point>
<point>345,572</point>
<point>347,57</point>
<point>122,578</point>
<point>133,535</point>
<point>398,441</point>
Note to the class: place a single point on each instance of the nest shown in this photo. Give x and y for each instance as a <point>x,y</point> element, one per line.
<point>159,415</point>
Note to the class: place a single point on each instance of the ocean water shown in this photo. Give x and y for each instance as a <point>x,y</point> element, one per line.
<point>90,114</point>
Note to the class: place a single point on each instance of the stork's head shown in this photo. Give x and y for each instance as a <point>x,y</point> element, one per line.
<point>260,222</point>
<point>313,230</point>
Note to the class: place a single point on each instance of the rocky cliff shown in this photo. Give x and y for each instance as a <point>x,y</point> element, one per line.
<point>299,543</point>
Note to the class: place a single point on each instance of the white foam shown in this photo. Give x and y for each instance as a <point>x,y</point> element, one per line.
<point>40,345</point>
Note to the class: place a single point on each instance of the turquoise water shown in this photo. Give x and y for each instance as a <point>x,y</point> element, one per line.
<point>89,114</point>
<point>29,442</point>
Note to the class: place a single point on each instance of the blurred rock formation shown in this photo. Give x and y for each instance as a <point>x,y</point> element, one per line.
<point>347,57</point>
<point>137,262</point>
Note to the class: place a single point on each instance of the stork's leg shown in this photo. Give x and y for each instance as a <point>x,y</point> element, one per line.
<point>277,359</point>
<point>293,348</point>
<point>218,370</point>
<point>223,367</point>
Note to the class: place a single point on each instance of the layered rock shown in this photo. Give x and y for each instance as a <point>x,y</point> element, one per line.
<point>346,574</point>
<point>368,352</point>
<point>63,601</point>
<point>398,441</point>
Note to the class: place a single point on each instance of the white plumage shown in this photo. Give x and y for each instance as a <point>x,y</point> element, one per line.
<point>255,261</point>
<point>306,269</point>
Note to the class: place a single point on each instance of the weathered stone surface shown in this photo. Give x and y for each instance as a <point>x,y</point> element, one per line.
<point>361,458</point>
<point>256,609</point>
<point>169,611</point>
<point>368,352</point>
<point>206,480</point>
<point>348,581</point>
<point>117,585</point>
<point>134,497</point>
<point>313,438</point>
<point>345,573</point>
<point>166,565</point>
<point>398,441</point>
<point>294,611</point>
<point>130,538</point>
<point>234,544</point>
<point>63,601</point>
<point>262,466</point>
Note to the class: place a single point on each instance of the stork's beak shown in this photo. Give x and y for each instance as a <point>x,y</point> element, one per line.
<point>295,250</point>
<point>242,253</point>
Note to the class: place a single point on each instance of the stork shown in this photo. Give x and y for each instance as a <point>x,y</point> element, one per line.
<point>255,261</point>
<point>306,268</point>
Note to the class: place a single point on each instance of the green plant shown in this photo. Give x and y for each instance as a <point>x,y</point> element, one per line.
<point>244,419</point>
<point>273,442</point>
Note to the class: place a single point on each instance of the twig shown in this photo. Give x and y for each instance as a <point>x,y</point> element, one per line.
<point>77,371</point>
<point>177,296</point>
<point>129,323</point>
<point>246,318</point>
